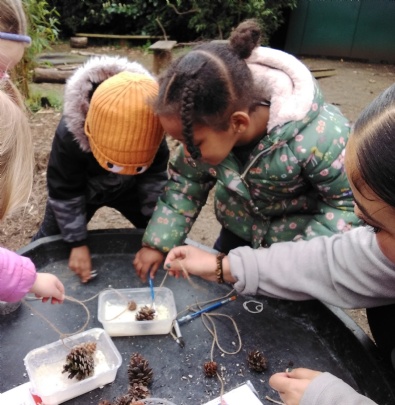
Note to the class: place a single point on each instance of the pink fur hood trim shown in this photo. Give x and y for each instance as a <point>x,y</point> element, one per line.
<point>285,81</point>
<point>79,86</point>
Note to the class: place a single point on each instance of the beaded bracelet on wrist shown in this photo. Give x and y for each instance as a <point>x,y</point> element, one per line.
<point>219,271</point>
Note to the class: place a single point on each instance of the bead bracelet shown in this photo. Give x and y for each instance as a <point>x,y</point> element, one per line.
<point>219,271</point>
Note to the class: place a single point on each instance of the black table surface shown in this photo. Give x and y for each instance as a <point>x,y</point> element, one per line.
<point>306,334</point>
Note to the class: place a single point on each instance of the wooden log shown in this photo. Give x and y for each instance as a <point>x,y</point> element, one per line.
<point>78,42</point>
<point>42,75</point>
<point>113,36</point>
<point>162,54</point>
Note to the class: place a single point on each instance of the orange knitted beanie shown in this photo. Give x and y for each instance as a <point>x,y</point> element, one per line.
<point>123,131</point>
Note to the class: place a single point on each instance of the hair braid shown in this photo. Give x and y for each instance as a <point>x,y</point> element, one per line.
<point>208,84</point>
<point>187,106</point>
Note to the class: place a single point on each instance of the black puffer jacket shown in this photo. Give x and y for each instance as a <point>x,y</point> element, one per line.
<point>74,177</point>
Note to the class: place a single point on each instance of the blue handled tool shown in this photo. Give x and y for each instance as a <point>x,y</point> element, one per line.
<point>193,315</point>
<point>151,286</point>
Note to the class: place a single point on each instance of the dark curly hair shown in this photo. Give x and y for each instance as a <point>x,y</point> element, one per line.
<point>211,82</point>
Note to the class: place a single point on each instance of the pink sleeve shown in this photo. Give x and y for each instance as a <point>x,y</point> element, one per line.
<point>17,276</point>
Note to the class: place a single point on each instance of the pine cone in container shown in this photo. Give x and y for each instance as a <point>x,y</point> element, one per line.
<point>145,313</point>
<point>80,362</point>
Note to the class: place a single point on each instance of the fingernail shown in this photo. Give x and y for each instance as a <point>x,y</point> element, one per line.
<point>168,265</point>
<point>288,370</point>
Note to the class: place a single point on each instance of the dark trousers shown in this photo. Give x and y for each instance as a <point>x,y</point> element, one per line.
<point>128,205</point>
<point>382,325</point>
<point>227,241</point>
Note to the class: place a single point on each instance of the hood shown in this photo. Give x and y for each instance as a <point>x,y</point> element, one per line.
<point>284,81</point>
<point>78,90</point>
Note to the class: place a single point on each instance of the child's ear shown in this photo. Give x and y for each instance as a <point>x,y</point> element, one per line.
<point>239,121</point>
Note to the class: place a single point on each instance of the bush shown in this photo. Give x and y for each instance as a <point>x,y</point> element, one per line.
<point>43,30</point>
<point>182,21</point>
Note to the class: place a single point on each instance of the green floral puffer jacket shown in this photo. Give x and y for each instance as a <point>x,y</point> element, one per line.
<point>293,185</point>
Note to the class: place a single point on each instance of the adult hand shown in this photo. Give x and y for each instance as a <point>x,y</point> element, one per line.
<point>147,261</point>
<point>48,287</point>
<point>292,385</point>
<point>80,262</point>
<point>197,262</point>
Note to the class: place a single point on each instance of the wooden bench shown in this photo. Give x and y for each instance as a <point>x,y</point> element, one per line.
<point>123,38</point>
<point>162,54</point>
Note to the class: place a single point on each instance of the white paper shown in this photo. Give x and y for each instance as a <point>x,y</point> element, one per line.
<point>240,395</point>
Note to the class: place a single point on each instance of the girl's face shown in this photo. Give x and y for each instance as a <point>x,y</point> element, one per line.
<point>214,145</point>
<point>376,213</point>
<point>11,53</point>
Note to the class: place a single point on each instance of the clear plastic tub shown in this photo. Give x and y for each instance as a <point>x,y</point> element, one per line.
<point>118,320</point>
<point>8,307</point>
<point>44,366</point>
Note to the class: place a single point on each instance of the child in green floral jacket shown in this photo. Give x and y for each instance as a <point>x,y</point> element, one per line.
<point>252,121</point>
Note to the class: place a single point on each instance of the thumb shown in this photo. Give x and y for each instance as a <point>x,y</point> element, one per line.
<point>173,257</point>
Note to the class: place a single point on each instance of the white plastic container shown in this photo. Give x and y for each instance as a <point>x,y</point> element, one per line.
<point>118,320</point>
<point>44,366</point>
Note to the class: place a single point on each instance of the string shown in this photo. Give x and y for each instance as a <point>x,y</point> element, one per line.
<point>273,400</point>
<point>209,317</point>
<point>62,335</point>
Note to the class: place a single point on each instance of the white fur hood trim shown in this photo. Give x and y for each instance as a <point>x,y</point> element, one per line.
<point>285,81</point>
<point>79,85</point>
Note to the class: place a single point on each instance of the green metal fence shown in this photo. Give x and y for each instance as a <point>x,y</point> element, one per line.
<point>358,29</point>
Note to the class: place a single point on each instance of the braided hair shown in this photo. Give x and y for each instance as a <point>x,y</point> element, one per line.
<point>211,82</point>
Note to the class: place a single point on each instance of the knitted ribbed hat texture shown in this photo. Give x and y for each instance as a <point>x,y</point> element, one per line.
<point>123,131</point>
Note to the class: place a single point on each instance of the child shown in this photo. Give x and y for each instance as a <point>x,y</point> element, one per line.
<point>352,270</point>
<point>17,274</point>
<point>108,150</point>
<point>253,122</point>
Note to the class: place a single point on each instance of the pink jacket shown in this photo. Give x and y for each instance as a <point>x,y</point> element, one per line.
<point>17,275</point>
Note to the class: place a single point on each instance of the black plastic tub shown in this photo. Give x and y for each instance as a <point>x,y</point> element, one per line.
<point>307,334</point>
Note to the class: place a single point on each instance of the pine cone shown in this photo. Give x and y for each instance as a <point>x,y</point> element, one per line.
<point>80,362</point>
<point>210,368</point>
<point>137,392</point>
<point>89,346</point>
<point>145,313</point>
<point>139,371</point>
<point>257,361</point>
<point>123,400</point>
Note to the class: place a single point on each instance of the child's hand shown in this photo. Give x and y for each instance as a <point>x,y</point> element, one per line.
<point>193,260</point>
<point>48,286</point>
<point>292,385</point>
<point>147,260</point>
<point>80,262</point>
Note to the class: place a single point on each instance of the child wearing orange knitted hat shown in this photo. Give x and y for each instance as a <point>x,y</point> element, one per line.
<point>124,134</point>
<point>108,150</point>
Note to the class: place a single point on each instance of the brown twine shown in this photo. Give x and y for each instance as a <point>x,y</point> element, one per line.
<point>62,335</point>
<point>273,400</point>
<point>210,317</point>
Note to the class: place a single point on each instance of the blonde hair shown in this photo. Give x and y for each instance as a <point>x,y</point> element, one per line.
<point>16,146</point>
<point>16,150</point>
<point>12,17</point>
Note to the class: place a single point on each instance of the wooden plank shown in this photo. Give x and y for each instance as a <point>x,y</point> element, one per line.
<point>323,72</point>
<point>113,36</point>
<point>163,45</point>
